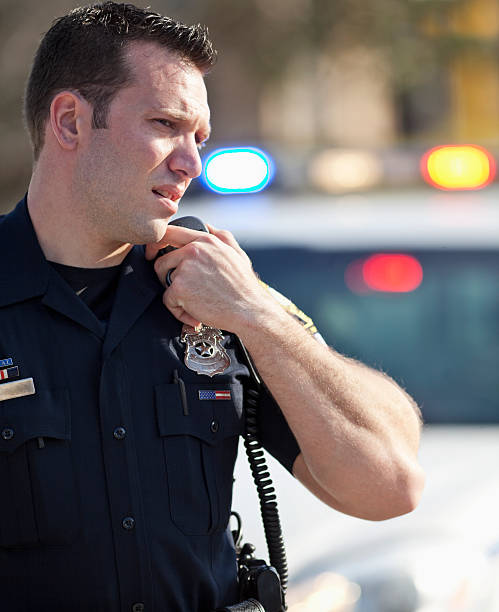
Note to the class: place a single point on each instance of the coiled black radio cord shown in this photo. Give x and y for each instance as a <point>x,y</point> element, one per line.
<point>261,477</point>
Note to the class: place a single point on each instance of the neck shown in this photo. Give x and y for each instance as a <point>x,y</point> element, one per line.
<point>64,234</point>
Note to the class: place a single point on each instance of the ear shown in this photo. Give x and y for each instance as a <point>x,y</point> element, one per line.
<point>70,116</point>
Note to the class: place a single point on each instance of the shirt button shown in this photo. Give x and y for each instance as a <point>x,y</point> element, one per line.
<point>119,433</point>
<point>138,607</point>
<point>7,433</point>
<point>214,426</point>
<point>128,523</point>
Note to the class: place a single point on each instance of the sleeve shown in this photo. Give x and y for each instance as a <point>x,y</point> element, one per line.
<point>295,312</point>
<point>274,433</point>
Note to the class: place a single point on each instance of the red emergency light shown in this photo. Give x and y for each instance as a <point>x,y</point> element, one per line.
<point>384,272</point>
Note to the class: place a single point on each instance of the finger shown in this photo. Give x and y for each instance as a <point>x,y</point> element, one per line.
<point>170,261</point>
<point>175,236</point>
<point>178,311</point>
<point>178,236</point>
<point>226,237</point>
<point>184,317</point>
<point>223,235</point>
<point>153,249</point>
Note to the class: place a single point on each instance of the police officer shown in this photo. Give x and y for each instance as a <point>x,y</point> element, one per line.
<point>120,399</point>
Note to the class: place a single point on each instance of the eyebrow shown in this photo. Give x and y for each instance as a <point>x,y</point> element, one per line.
<point>181,116</point>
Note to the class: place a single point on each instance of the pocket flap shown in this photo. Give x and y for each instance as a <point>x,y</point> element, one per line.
<point>212,412</point>
<point>43,415</point>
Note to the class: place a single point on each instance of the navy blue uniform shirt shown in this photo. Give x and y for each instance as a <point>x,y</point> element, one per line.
<point>113,498</point>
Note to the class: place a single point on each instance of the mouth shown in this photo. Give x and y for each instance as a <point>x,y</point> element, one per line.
<point>168,194</point>
<point>168,199</point>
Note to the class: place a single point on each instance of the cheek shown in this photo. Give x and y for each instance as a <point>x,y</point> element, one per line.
<point>127,160</point>
<point>142,155</point>
<point>105,157</point>
<point>158,150</point>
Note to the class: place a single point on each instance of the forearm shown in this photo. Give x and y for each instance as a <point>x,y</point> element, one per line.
<point>357,430</point>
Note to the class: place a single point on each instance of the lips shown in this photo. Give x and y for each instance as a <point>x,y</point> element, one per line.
<point>168,192</point>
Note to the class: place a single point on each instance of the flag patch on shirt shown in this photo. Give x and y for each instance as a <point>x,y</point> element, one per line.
<point>214,395</point>
<point>9,373</point>
<point>5,362</point>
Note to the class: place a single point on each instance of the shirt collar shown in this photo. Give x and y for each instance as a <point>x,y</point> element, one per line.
<point>25,272</point>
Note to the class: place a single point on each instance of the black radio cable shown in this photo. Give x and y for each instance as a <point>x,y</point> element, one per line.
<point>261,477</point>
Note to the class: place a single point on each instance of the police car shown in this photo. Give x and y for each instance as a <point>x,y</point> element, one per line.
<point>407,282</point>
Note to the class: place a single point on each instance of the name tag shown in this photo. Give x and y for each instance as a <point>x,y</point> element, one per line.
<point>17,388</point>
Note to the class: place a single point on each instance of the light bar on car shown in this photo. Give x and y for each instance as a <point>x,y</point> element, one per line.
<point>237,170</point>
<point>458,167</point>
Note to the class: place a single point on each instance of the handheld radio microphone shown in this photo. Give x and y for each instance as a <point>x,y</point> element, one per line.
<point>190,223</point>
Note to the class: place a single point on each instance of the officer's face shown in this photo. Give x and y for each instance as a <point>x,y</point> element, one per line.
<point>132,174</point>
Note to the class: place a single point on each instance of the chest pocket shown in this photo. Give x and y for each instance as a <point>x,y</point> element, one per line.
<point>200,439</point>
<point>38,490</point>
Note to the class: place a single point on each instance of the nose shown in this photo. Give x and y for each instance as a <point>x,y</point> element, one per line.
<point>185,159</point>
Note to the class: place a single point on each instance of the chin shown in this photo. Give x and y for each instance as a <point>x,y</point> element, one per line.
<point>152,233</point>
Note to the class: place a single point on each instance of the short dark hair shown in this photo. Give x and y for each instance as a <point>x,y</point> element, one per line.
<point>83,51</point>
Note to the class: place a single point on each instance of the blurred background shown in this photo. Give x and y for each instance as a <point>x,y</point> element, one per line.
<point>376,82</point>
<point>354,155</point>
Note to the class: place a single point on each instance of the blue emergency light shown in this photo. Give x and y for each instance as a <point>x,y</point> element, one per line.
<point>237,170</point>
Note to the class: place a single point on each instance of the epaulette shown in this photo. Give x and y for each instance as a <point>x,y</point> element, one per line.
<point>296,313</point>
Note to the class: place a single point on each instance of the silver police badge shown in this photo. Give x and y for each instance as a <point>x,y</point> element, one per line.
<point>203,352</point>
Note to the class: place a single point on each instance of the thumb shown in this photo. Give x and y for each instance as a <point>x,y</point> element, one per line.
<point>153,249</point>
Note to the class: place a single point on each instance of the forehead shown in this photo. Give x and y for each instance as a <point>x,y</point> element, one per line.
<point>162,80</point>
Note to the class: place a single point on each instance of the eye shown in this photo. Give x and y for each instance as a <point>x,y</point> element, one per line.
<point>165,122</point>
<point>201,145</point>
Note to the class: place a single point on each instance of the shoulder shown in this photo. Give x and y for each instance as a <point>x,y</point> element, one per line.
<point>4,230</point>
<point>9,222</point>
<point>15,214</point>
<point>295,312</point>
